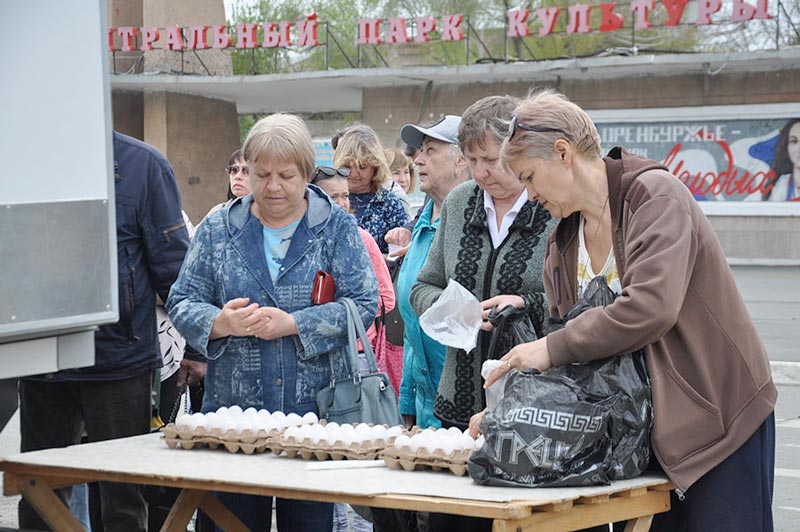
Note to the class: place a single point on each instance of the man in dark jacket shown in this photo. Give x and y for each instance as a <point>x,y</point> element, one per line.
<point>112,398</point>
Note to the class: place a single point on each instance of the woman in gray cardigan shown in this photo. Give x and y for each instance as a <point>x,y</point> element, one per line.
<point>491,239</point>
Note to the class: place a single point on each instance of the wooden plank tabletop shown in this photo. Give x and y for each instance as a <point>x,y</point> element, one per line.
<point>147,460</point>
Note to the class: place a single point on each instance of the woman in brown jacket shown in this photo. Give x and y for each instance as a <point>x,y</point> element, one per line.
<point>629,219</point>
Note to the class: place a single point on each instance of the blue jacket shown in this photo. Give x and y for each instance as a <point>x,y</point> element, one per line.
<point>423,357</point>
<point>152,240</point>
<point>226,260</point>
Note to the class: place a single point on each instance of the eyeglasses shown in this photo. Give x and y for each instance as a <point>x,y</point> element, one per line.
<point>515,124</point>
<point>328,172</point>
<point>235,169</point>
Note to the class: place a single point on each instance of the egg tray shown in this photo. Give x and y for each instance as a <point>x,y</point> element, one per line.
<point>308,450</point>
<point>248,441</point>
<point>404,458</point>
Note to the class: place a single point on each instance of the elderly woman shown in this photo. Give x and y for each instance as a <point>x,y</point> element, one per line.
<point>629,219</point>
<point>491,239</point>
<point>377,210</point>
<point>243,297</point>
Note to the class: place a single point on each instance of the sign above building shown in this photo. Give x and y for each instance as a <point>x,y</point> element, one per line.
<point>397,30</point>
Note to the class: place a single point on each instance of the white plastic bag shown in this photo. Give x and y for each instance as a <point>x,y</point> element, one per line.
<point>496,391</point>
<point>455,318</point>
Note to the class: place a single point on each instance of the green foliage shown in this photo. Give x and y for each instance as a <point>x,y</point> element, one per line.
<point>484,23</point>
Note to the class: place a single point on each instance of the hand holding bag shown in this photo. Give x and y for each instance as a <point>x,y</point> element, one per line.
<point>355,398</point>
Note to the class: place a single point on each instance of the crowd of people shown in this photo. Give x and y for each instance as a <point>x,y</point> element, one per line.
<point>521,208</point>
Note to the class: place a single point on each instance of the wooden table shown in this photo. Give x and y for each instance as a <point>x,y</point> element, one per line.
<point>147,460</point>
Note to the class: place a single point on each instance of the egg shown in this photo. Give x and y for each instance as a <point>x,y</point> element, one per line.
<point>304,432</point>
<point>363,428</point>
<point>184,421</point>
<point>222,411</point>
<point>278,415</point>
<point>347,438</point>
<point>293,419</point>
<point>402,441</point>
<point>347,428</point>
<point>228,423</point>
<point>455,431</point>
<point>379,432</point>
<point>467,441</point>
<point>393,432</point>
<point>310,418</point>
<point>212,421</point>
<point>264,412</point>
<point>479,442</point>
<point>242,425</point>
<point>448,446</point>
<point>235,409</point>
<point>443,432</point>
<point>332,425</point>
<point>318,434</point>
<point>292,432</point>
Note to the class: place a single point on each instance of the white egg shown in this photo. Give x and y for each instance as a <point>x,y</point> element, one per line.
<point>304,432</point>
<point>310,418</point>
<point>222,411</point>
<point>467,441</point>
<point>235,409</point>
<point>402,441</point>
<point>359,437</point>
<point>212,421</point>
<point>347,428</point>
<point>278,415</point>
<point>379,433</point>
<point>331,425</point>
<point>293,419</point>
<point>479,442</point>
<point>228,423</point>
<point>413,444</point>
<point>347,438</point>
<point>264,412</point>
<point>455,431</point>
<point>280,423</point>
<point>395,431</point>
<point>243,424</point>
<point>318,434</point>
<point>448,446</point>
<point>250,411</point>
<point>183,421</point>
<point>292,432</point>
<point>442,432</point>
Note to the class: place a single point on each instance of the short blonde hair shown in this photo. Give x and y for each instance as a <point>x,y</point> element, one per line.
<point>398,159</point>
<point>360,146</point>
<point>551,110</point>
<point>283,137</point>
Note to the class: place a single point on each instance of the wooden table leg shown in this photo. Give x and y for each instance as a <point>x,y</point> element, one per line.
<point>182,511</point>
<point>44,500</point>
<point>190,500</point>
<point>640,524</point>
<point>221,515</point>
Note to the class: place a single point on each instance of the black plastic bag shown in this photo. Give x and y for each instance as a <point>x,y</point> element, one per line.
<point>575,425</point>
<point>512,326</point>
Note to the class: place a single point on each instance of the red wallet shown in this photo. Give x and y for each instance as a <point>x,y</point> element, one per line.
<point>324,288</point>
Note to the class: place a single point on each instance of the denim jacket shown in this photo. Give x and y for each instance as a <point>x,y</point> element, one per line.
<point>226,260</point>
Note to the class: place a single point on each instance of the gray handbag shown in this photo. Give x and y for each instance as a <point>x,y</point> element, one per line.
<point>356,398</point>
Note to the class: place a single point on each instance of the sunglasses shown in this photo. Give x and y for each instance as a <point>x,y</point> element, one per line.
<point>516,124</point>
<point>328,172</point>
<point>235,169</point>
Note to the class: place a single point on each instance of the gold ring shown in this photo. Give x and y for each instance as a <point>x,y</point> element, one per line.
<point>508,365</point>
<point>247,329</point>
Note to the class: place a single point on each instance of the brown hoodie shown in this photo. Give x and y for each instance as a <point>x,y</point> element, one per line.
<point>712,386</point>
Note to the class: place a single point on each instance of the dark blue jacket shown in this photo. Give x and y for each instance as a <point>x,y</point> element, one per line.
<point>152,240</point>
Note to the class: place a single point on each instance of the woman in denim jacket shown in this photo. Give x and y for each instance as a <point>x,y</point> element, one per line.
<point>243,297</point>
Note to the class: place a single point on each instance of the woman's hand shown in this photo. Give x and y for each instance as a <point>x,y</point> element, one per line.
<point>532,355</point>
<point>237,318</point>
<point>277,324</point>
<point>500,302</point>
<point>474,424</point>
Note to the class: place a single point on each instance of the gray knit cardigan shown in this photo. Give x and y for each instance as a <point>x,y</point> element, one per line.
<point>462,250</point>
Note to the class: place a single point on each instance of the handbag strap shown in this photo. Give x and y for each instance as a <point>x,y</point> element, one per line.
<point>355,332</point>
<point>355,318</point>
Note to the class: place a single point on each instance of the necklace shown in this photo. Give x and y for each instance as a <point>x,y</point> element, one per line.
<point>600,219</point>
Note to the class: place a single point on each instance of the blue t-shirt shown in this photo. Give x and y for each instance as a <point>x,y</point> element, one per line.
<point>276,245</point>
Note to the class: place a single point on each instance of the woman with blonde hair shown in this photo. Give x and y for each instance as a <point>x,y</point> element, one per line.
<point>404,176</point>
<point>376,209</point>
<point>244,297</point>
<point>630,220</point>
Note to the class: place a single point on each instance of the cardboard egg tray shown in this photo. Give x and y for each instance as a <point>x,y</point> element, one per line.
<point>248,441</point>
<point>437,460</point>
<point>308,450</point>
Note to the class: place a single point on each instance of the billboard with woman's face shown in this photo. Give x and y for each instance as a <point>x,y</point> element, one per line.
<point>725,159</point>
